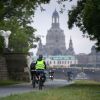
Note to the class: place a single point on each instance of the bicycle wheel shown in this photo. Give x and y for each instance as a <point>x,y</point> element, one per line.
<point>33,82</point>
<point>40,84</point>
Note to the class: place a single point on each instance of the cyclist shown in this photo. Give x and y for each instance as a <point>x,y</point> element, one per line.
<point>51,74</point>
<point>40,66</point>
<point>32,67</point>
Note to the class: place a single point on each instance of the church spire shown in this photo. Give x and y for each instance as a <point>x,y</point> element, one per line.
<point>40,48</point>
<point>71,49</point>
<point>55,17</point>
<point>70,43</point>
<point>40,44</point>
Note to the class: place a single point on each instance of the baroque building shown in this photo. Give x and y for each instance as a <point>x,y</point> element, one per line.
<point>55,40</point>
<point>61,61</point>
<point>89,60</point>
<point>94,57</point>
<point>55,51</point>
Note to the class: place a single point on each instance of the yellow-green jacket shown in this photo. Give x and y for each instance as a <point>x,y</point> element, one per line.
<point>40,64</point>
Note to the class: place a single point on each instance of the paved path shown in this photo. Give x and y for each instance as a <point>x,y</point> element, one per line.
<point>27,87</point>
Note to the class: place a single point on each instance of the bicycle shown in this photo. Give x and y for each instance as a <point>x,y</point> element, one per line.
<point>51,75</point>
<point>38,77</point>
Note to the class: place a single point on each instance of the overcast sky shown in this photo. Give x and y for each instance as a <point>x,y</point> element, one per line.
<point>42,22</point>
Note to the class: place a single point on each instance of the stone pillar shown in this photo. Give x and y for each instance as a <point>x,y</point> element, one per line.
<point>17,65</point>
<point>3,69</point>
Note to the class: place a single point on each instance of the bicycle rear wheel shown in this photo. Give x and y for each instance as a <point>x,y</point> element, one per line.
<point>40,84</point>
<point>33,82</point>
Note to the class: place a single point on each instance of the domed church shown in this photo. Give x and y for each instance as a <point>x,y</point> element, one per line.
<point>55,40</point>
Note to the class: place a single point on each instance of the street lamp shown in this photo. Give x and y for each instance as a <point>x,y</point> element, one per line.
<point>6,35</point>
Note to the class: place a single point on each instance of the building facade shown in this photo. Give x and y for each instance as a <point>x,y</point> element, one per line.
<point>94,58</point>
<point>61,61</point>
<point>89,60</point>
<point>55,40</point>
<point>56,53</point>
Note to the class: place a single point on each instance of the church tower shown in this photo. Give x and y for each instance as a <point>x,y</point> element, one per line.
<point>70,50</point>
<point>55,19</point>
<point>40,48</point>
<point>55,39</point>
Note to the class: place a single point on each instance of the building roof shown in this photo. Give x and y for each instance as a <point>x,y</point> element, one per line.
<point>61,57</point>
<point>55,14</point>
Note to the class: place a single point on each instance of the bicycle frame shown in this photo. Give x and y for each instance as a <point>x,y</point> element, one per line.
<point>40,77</point>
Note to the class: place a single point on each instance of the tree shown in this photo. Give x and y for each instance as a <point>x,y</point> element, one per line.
<point>86,16</point>
<point>21,39</point>
<point>16,15</point>
<point>1,44</point>
<point>22,9</point>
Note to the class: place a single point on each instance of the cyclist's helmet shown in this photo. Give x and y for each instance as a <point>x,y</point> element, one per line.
<point>40,56</point>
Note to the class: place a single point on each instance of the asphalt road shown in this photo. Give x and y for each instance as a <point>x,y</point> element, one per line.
<point>27,87</point>
<point>60,75</point>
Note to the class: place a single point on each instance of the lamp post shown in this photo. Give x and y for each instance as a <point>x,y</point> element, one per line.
<point>6,35</point>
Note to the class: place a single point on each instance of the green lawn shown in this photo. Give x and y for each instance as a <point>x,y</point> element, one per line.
<point>8,82</point>
<point>81,90</point>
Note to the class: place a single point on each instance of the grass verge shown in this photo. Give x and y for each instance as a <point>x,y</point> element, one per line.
<point>8,82</point>
<point>81,90</point>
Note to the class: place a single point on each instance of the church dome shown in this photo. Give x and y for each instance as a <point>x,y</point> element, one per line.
<point>55,14</point>
<point>56,34</point>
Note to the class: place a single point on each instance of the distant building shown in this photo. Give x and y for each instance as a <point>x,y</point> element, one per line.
<point>94,58</point>
<point>55,51</point>
<point>61,61</point>
<point>89,60</point>
<point>55,40</point>
<point>82,58</point>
